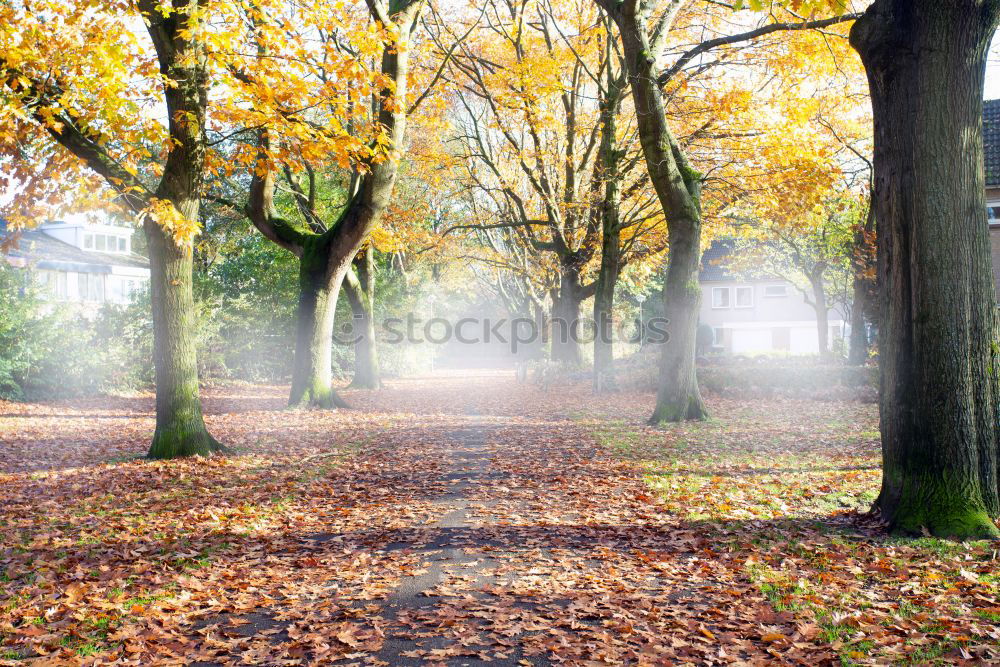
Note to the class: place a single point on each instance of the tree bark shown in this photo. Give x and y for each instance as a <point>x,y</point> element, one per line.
<point>938,323</point>
<point>565,322</point>
<point>678,397</point>
<point>360,289</point>
<point>861,306</point>
<point>180,428</point>
<point>678,188</point>
<point>312,380</point>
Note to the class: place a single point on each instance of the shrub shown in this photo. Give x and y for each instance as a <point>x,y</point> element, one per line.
<point>46,350</point>
<point>792,377</point>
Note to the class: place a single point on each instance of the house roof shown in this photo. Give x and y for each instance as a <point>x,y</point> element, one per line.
<point>991,141</point>
<point>714,259</point>
<point>45,252</point>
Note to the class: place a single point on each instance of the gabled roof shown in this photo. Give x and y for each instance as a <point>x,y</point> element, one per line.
<point>713,261</point>
<point>991,141</point>
<point>45,252</point>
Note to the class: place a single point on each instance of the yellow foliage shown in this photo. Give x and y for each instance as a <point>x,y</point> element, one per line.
<point>180,228</point>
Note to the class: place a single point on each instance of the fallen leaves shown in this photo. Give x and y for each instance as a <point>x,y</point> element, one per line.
<point>475,520</point>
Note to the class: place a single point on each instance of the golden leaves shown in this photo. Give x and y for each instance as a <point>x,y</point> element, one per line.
<point>179,227</point>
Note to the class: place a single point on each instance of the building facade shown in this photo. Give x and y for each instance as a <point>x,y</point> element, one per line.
<point>82,263</point>
<point>991,151</point>
<point>752,317</point>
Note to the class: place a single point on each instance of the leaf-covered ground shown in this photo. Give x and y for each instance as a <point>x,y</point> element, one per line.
<point>466,519</point>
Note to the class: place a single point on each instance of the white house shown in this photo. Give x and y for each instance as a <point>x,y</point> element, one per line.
<point>758,316</point>
<point>79,262</point>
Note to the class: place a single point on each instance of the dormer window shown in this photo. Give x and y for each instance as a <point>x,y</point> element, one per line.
<point>105,243</point>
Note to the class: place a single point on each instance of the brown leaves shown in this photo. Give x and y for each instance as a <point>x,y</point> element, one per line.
<point>75,592</point>
<point>433,535</point>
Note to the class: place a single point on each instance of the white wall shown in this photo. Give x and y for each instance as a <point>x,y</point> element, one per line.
<point>751,330</point>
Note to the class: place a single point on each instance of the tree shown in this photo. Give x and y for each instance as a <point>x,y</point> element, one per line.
<point>360,288</point>
<point>58,90</point>
<point>291,140</point>
<point>644,27</point>
<point>548,165</point>
<point>938,332</point>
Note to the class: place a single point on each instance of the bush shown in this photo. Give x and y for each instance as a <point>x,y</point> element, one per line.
<point>756,380</point>
<point>46,351</point>
<point>790,377</point>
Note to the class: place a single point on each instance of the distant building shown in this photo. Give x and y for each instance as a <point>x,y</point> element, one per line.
<point>757,316</point>
<point>991,150</point>
<point>81,263</point>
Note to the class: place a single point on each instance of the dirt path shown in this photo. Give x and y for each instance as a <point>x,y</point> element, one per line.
<point>545,548</point>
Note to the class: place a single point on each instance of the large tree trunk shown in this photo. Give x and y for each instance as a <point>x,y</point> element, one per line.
<point>678,397</point>
<point>180,428</point>
<point>312,380</point>
<point>678,188</point>
<point>565,321</point>
<point>938,325</point>
<point>360,289</point>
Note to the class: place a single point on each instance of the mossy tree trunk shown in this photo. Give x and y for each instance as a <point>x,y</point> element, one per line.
<point>678,188</point>
<point>180,428</point>
<point>678,397</point>
<point>938,323</point>
<point>312,380</point>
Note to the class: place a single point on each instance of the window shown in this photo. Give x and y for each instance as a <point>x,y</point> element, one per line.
<point>993,212</point>
<point>101,242</point>
<point>720,297</point>
<point>121,244</point>
<point>60,284</point>
<point>775,291</point>
<point>90,287</point>
<point>719,335</point>
<point>744,297</point>
<point>88,241</point>
<point>53,283</point>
